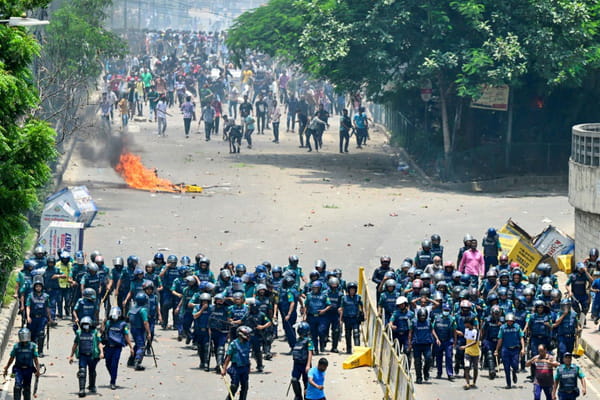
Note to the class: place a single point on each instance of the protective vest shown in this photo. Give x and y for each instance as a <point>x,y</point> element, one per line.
<point>86,308</point>
<point>490,246</point>
<point>460,320</point>
<point>218,318</point>
<point>264,304</point>
<point>24,354</point>
<point>152,307</point>
<point>314,303</point>
<point>116,333</point>
<point>169,277</point>
<point>567,378</point>
<point>238,313</point>
<point>202,321</point>
<point>136,286</point>
<point>443,327</point>
<point>92,281</point>
<point>579,285</point>
<point>335,298</point>
<point>135,317</point>
<point>423,259</point>
<point>187,295</point>
<point>422,332</point>
<point>511,335</point>
<point>388,301</point>
<point>402,320</point>
<point>300,350</point>
<point>351,305</point>
<point>126,280</point>
<point>241,353</point>
<point>437,251</point>
<point>38,305</point>
<point>50,283</point>
<point>568,324</point>
<point>204,275</point>
<point>86,342</point>
<point>491,329</point>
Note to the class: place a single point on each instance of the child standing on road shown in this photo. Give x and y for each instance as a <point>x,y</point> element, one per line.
<point>472,352</point>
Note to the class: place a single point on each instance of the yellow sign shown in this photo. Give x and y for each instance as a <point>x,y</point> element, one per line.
<point>361,356</point>
<point>565,263</point>
<point>521,251</point>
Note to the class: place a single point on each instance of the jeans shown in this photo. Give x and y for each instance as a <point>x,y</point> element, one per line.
<point>162,126</point>
<point>124,119</point>
<point>64,298</point>
<point>248,136</point>
<point>208,126</point>
<point>261,120</point>
<point>187,123</point>
<point>276,131</point>
<point>344,140</point>
<point>233,105</point>
<point>290,121</point>
<point>112,355</point>
<point>537,392</point>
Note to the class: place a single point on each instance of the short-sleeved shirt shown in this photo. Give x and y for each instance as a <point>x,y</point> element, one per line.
<point>13,351</point>
<point>543,371</point>
<point>472,336</point>
<point>318,377</point>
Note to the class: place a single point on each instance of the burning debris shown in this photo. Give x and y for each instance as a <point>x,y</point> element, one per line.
<point>137,176</point>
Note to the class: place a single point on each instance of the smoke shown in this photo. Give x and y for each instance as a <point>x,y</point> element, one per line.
<point>103,147</point>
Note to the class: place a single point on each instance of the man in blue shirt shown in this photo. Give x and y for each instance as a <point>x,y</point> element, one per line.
<point>316,381</point>
<point>510,341</point>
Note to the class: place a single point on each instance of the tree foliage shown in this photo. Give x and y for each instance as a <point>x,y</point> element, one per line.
<point>390,46</point>
<point>26,144</point>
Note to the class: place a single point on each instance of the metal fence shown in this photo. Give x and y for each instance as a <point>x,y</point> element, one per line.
<point>390,364</point>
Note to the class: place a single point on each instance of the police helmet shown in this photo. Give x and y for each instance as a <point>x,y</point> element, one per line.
<point>204,261</point>
<point>491,274</point>
<point>159,258</point>
<point>320,264</point>
<point>438,296</point>
<point>39,251</point>
<point>351,285</point>
<point>390,283</point>
<point>219,296</point>
<point>422,313</point>
<point>51,260</point>
<point>317,284</point>
<point>185,261</point>
<point>205,297</point>
<point>115,313</point>
<point>425,291</point>
<point>467,238</point>
<point>464,293</point>
<point>456,274</point>
<point>436,239</point>
<point>539,303</point>
<point>333,282</point>
<point>303,328</point>
<point>65,257</point>
<point>199,256</point>
<point>99,260</point>
<point>276,270</point>
<point>465,304</point>
<point>238,296</point>
<point>293,259</point>
<point>417,284</point>
<point>492,297</point>
<point>425,275</point>
<point>92,267</point>
<point>438,276</point>
<point>509,317</point>
<point>528,292</point>
<point>190,280</point>
<point>172,259</point>
<point>118,262</point>
<point>532,278</point>
<point>150,264</point>
<point>441,284</point>
<point>389,274</point>
<point>244,332</point>
<point>24,335</point>
<point>138,271</point>
<point>133,261</point>
<point>225,274</point>
<point>405,264</point>
<point>556,294</point>
<point>261,286</point>
<point>38,280</point>
<point>267,265</point>
<point>93,255</point>
<point>288,282</point>
<point>89,293</point>
<point>240,268</point>
<point>502,291</point>
<point>546,287</point>
<point>401,300</point>
<point>594,253</point>
<point>141,299</point>
<point>496,310</point>
<point>29,264</point>
<point>426,245</point>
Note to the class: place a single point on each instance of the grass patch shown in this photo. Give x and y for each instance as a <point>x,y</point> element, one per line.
<point>11,287</point>
<point>333,206</point>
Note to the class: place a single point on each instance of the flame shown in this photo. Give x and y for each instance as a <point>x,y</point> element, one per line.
<point>137,176</point>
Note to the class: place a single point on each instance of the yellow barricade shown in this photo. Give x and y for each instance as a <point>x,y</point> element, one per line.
<point>391,366</point>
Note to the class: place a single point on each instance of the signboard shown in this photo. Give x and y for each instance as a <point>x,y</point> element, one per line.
<point>553,243</point>
<point>60,235</point>
<point>73,204</point>
<point>426,90</point>
<point>521,251</point>
<point>494,98</point>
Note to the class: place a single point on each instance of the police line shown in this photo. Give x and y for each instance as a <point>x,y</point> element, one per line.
<point>390,364</point>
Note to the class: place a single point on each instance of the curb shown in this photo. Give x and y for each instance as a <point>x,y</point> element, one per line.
<point>591,352</point>
<point>7,320</point>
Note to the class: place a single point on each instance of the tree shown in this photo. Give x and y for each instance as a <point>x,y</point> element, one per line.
<point>388,47</point>
<point>26,144</point>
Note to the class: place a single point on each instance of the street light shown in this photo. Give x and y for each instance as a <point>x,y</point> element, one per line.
<point>18,21</point>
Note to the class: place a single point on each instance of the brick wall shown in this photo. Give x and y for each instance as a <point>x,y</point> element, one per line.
<point>587,233</point>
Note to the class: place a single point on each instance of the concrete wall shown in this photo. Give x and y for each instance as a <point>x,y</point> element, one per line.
<point>587,233</point>
<point>584,187</point>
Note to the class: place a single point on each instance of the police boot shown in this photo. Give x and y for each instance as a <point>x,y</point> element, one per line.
<point>531,373</point>
<point>322,343</point>
<point>138,365</point>
<point>40,343</point>
<point>27,393</point>
<point>356,334</point>
<point>81,376</point>
<point>206,351</point>
<point>220,357</point>
<point>491,363</point>
<point>17,393</point>
<point>335,338</point>
<point>259,361</point>
<point>348,343</point>
<point>419,369</point>
<point>297,389</point>
<point>428,362</point>
<point>202,356</point>
<point>243,392</point>
<point>268,343</point>
<point>131,361</point>
<point>92,386</point>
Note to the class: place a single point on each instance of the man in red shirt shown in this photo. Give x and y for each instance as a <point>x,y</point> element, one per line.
<point>543,365</point>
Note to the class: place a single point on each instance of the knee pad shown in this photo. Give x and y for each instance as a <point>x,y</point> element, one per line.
<point>81,373</point>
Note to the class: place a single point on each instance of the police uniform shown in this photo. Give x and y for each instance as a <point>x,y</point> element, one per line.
<point>567,377</point>
<point>239,371</point>
<point>85,308</point>
<point>24,367</point>
<point>39,305</point>
<point>265,305</point>
<point>52,287</point>
<point>444,326</point>
<point>189,295</point>
<point>422,339</point>
<point>387,301</point>
<point>318,323</point>
<point>137,316</point>
<point>88,353</point>
<point>491,329</point>
<point>115,333</point>
<point>351,312</point>
<point>511,347</point>
<point>124,288</point>
<point>252,320</point>
<point>565,333</point>
<point>287,298</point>
<point>219,329</point>
<point>201,334</point>
<point>333,316</point>
<point>168,300</point>
<point>402,320</point>
<point>300,354</point>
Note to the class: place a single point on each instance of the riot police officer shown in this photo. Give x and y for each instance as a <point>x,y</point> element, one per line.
<point>420,340</point>
<point>400,322</point>
<point>201,315</point>
<point>117,337</point>
<point>258,322</point>
<point>302,355</point>
<point>436,248</point>
<point>219,329</point>
<point>565,380</point>
<point>567,327</point>
<point>168,301</point>
<point>335,294</point>
<point>140,328</point>
<point>288,308</point>
<point>38,313</point>
<point>238,354</point>
<point>87,306</point>
<point>510,345</point>
<point>424,256</point>
<point>489,333</point>
<point>25,356</point>
<point>89,350</point>
<point>443,332</point>
<point>317,305</point>
<point>351,315</point>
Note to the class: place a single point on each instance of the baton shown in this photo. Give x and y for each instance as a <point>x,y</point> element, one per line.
<point>35,385</point>
<point>47,336</point>
<point>153,355</point>
<point>231,396</point>
<point>288,389</point>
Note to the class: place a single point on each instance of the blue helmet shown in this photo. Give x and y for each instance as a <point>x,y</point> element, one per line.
<point>491,232</point>
<point>133,261</point>
<point>502,291</point>
<point>303,328</point>
<point>240,268</point>
<point>183,270</point>
<point>141,299</point>
<point>277,270</point>
<point>29,264</point>
<point>317,284</point>
<point>79,257</point>
<point>237,283</point>
<point>465,279</point>
<point>579,266</point>
<point>172,259</point>
<point>261,278</point>
<point>159,258</point>
<point>260,268</point>
<point>248,278</point>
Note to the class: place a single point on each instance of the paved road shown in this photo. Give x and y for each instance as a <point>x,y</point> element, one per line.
<point>265,204</point>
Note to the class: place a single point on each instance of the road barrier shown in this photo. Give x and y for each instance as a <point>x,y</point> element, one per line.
<point>389,363</point>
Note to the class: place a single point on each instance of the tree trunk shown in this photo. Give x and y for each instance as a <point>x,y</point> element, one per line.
<point>445,126</point>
